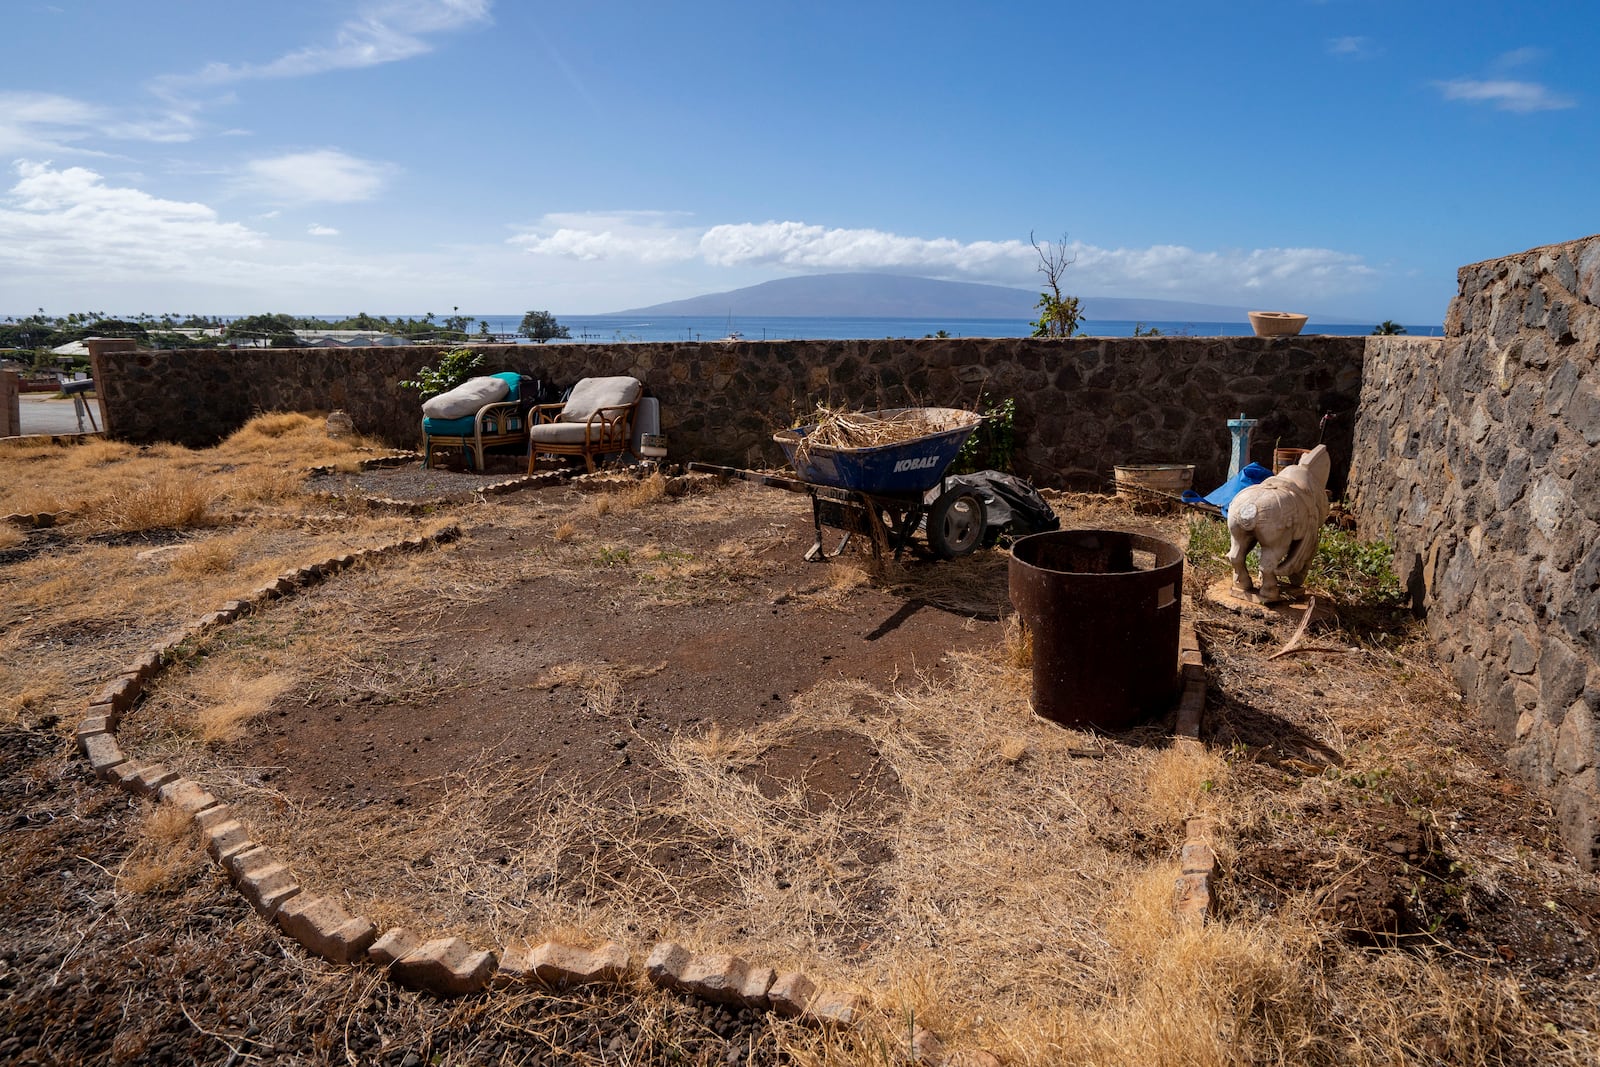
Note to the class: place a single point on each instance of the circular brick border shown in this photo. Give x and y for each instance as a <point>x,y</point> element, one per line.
<point>450,966</point>
<point>446,966</point>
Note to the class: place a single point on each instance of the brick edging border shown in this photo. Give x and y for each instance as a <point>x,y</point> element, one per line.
<point>1192,891</point>
<point>444,966</point>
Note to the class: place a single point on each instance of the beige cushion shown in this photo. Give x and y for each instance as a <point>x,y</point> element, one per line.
<point>466,398</point>
<point>592,394</point>
<point>562,433</point>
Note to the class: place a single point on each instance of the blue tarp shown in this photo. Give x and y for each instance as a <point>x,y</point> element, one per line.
<point>1222,496</point>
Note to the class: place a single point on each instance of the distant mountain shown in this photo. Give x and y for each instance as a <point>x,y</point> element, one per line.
<point>900,297</point>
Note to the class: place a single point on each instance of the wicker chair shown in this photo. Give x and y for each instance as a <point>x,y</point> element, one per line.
<point>500,423</point>
<point>596,419</point>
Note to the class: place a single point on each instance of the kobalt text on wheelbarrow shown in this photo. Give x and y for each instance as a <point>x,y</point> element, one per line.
<point>884,492</point>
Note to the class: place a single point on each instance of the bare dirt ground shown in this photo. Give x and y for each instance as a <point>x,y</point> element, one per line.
<point>623,714</point>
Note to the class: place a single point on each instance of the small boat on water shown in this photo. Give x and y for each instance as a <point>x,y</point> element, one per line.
<point>733,335</point>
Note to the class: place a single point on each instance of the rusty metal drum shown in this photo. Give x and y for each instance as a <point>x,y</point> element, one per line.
<point>1103,608</point>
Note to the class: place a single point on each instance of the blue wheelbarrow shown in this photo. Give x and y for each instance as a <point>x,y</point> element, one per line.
<point>883,492</point>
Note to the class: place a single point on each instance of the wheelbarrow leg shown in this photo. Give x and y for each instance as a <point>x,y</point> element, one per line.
<point>817,551</point>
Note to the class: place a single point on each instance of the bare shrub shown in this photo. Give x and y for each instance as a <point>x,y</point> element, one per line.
<point>164,502</point>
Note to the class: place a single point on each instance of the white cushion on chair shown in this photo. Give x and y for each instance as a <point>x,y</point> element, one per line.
<point>592,394</point>
<point>466,398</point>
<point>560,433</point>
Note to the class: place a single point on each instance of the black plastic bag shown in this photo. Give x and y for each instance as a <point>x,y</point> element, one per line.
<point>1012,508</point>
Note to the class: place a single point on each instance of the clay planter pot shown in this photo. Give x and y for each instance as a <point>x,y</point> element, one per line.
<point>1276,323</point>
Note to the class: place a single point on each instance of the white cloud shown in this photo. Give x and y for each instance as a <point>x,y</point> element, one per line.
<point>1505,94</point>
<point>1353,47</point>
<point>1172,271</point>
<point>62,220</point>
<point>382,32</point>
<point>803,247</point>
<point>34,124</point>
<point>636,236</point>
<point>318,230</point>
<point>323,176</point>
<point>1518,57</point>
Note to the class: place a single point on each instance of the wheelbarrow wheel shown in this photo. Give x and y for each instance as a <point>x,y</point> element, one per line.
<point>955,523</point>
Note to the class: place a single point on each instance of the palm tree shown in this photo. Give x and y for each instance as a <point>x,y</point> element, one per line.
<point>1388,328</point>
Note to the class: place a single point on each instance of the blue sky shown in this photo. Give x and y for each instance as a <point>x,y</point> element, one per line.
<point>1340,157</point>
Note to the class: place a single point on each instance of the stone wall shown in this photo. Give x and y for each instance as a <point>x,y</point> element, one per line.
<point>1478,456</point>
<point>1083,405</point>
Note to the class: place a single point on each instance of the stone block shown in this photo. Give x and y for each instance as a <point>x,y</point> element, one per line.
<point>447,966</point>
<point>102,752</point>
<point>148,780</point>
<point>716,977</point>
<point>757,981</point>
<point>557,965</point>
<point>323,927</point>
<point>929,1051</point>
<point>395,944</point>
<point>96,724</point>
<point>210,619</point>
<point>278,587</point>
<point>666,964</point>
<point>191,796</point>
<point>1190,707</point>
<point>1191,898</point>
<point>926,1048</point>
<point>124,773</point>
<point>1198,858</point>
<point>516,964</point>
<point>972,1057</point>
<point>226,839</point>
<point>144,668</point>
<point>214,816</point>
<point>835,1007</point>
<point>261,879</point>
<point>118,694</point>
<point>790,994</point>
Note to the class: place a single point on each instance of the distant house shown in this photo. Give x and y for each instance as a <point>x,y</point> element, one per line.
<point>348,339</point>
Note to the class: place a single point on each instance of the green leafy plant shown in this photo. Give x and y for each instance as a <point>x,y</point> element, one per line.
<point>455,367</point>
<point>993,444</point>
<point>1350,570</point>
<point>1388,328</point>
<point>1354,570</point>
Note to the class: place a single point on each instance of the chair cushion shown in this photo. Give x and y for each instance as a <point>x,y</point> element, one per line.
<point>450,427</point>
<point>512,379</point>
<point>560,433</point>
<point>466,398</point>
<point>592,394</point>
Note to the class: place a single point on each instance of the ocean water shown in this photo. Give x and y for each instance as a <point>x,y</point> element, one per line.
<point>595,329</point>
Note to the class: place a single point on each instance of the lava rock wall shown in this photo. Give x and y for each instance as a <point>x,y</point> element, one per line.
<point>1082,405</point>
<point>1478,457</point>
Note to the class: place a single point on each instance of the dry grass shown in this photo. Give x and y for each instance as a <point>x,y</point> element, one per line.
<point>834,428</point>
<point>216,555</point>
<point>11,536</point>
<point>1002,881</point>
<point>163,853</point>
<point>233,703</point>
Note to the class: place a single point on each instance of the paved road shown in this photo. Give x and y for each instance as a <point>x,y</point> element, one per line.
<point>43,415</point>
